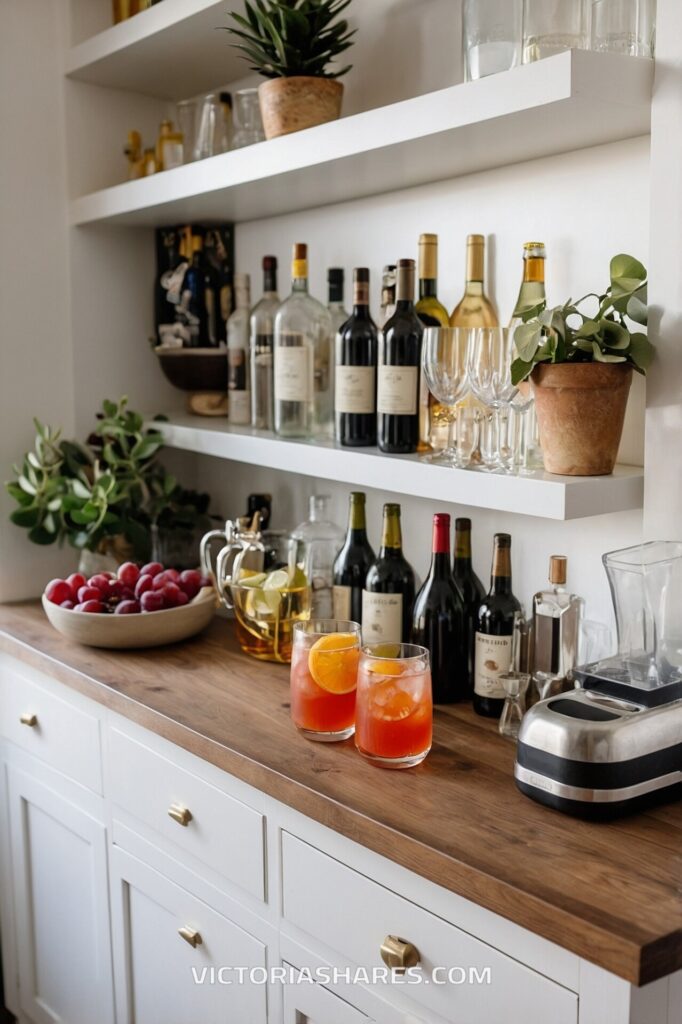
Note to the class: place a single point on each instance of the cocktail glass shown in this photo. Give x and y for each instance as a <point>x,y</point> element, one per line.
<point>324,671</point>
<point>394,710</point>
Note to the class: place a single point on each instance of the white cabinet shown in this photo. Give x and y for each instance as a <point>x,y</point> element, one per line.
<point>59,876</point>
<point>313,1004</point>
<point>169,949</point>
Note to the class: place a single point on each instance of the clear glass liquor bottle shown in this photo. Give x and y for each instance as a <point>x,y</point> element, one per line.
<point>262,331</point>
<point>556,628</point>
<point>322,540</point>
<point>238,370</point>
<point>302,364</point>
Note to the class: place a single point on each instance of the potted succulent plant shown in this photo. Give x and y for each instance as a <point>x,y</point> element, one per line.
<point>293,44</point>
<point>109,497</point>
<point>580,366</point>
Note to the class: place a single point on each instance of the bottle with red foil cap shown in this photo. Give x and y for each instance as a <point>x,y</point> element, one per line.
<point>438,620</point>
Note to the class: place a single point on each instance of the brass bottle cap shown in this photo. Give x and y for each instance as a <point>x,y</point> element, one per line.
<point>428,257</point>
<point>557,569</point>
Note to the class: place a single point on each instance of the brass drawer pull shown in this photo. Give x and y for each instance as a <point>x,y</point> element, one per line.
<point>181,814</point>
<point>399,954</point>
<point>189,935</point>
<point>30,720</point>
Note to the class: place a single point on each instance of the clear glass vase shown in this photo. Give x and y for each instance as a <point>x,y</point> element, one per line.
<point>624,26</point>
<point>248,125</point>
<point>551,26</point>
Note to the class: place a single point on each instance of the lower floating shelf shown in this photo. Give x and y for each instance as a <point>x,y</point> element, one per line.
<point>538,494</point>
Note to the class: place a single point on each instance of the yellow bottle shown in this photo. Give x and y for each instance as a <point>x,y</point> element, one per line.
<point>475,309</point>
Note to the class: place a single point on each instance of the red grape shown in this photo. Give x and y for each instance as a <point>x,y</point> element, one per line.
<point>189,581</point>
<point>151,601</point>
<point>76,580</point>
<point>151,569</point>
<point>57,591</point>
<point>128,573</point>
<point>205,581</point>
<point>91,606</point>
<point>181,599</point>
<point>170,594</point>
<point>67,604</point>
<point>116,590</point>
<point>143,584</point>
<point>100,581</point>
<point>127,608</point>
<point>88,593</point>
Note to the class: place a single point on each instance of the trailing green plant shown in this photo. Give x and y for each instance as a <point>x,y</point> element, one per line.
<point>566,334</point>
<point>111,486</point>
<point>285,38</point>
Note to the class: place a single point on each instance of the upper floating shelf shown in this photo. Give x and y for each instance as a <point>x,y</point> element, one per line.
<point>539,494</point>
<point>574,100</point>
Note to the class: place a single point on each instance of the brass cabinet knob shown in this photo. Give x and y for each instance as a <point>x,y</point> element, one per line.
<point>399,954</point>
<point>30,720</point>
<point>189,935</point>
<point>181,814</point>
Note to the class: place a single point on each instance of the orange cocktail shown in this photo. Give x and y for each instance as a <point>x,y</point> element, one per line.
<point>394,708</point>
<point>324,672</point>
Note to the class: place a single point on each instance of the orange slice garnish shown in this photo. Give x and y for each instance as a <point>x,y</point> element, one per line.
<point>386,668</point>
<point>333,662</point>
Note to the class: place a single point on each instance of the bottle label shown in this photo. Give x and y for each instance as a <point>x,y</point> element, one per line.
<point>341,603</point>
<point>236,369</point>
<point>492,658</point>
<point>397,390</point>
<point>382,617</point>
<point>239,407</point>
<point>354,389</point>
<point>293,381</point>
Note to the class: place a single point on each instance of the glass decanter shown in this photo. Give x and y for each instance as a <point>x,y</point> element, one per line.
<point>322,541</point>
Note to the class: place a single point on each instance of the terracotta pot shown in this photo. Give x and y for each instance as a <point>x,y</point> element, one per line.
<point>580,409</point>
<point>291,104</point>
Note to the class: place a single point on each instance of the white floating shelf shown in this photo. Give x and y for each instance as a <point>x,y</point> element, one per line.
<point>573,100</point>
<point>540,494</point>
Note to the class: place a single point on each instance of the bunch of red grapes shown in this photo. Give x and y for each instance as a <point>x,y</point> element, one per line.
<point>133,589</point>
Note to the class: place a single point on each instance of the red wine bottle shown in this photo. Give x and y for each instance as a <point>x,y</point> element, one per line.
<point>471,590</point>
<point>400,350</point>
<point>388,596</point>
<point>494,632</point>
<point>438,620</point>
<point>355,399</point>
<point>352,563</point>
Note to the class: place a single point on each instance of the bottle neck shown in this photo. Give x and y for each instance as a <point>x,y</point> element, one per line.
<point>300,284</point>
<point>440,548</point>
<point>270,282</point>
<point>428,287</point>
<point>462,549</point>
<point>500,581</point>
<point>357,524</point>
<point>534,270</point>
<point>391,537</point>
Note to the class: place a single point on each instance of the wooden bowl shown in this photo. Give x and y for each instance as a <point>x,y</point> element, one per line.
<point>146,629</point>
<point>195,369</point>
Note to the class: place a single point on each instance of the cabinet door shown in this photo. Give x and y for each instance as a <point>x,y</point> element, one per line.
<point>59,869</point>
<point>312,1004</point>
<point>169,948</point>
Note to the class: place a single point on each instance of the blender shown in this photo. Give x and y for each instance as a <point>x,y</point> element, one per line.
<point>614,744</point>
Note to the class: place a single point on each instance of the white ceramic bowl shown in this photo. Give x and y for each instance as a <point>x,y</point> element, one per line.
<point>144,629</point>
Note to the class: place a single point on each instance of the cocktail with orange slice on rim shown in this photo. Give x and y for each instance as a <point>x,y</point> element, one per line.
<point>324,673</point>
<point>394,708</point>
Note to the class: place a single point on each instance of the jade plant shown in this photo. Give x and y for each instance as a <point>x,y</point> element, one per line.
<point>601,333</point>
<point>112,486</point>
<point>287,38</point>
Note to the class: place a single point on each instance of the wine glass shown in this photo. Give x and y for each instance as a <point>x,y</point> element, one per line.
<point>489,370</point>
<point>444,361</point>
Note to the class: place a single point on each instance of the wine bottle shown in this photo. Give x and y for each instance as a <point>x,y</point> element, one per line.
<point>438,620</point>
<point>388,596</point>
<point>355,399</point>
<point>532,290</point>
<point>433,428</point>
<point>474,309</point>
<point>337,310</point>
<point>399,370</point>
<point>238,361</point>
<point>262,332</point>
<point>471,590</point>
<point>303,401</point>
<point>352,563</point>
<point>494,633</point>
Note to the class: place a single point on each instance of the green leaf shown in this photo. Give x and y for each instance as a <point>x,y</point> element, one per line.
<point>527,340</point>
<point>110,408</point>
<point>615,335</point>
<point>83,518</point>
<point>624,266</point>
<point>26,485</point>
<point>26,517</point>
<point>604,357</point>
<point>18,493</point>
<point>589,329</point>
<point>40,536</point>
<point>146,447</point>
<point>80,490</point>
<point>641,351</point>
<point>520,370</point>
<point>637,310</point>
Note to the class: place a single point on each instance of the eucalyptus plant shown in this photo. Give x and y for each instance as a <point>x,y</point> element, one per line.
<point>285,38</point>
<point>566,334</point>
<point>109,487</point>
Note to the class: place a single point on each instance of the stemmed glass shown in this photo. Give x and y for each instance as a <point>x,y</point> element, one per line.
<point>489,369</point>
<point>444,361</point>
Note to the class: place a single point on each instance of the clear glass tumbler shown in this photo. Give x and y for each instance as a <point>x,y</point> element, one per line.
<point>551,26</point>
<point>324,673</point>
<point>207,142</point>
<point>491,36</point>
<point>394,707</point>
<point>248,125</point>
<point>624,26</point>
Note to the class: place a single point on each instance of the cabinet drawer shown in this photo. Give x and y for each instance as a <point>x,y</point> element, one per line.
<point>54,730</point>
<point>352,915</point>
<point>221,832</point>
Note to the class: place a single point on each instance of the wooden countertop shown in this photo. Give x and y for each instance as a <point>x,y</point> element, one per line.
<point>609,893</point>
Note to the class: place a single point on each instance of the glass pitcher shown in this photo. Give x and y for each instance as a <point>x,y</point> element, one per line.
<point>242,548</point>
<point>646,588</point>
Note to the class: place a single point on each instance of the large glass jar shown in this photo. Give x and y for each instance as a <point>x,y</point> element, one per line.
<point>248,126</point>
<point>624,26</point>
<point>491,36</point>
<point>322,541</point>
<point>550,26</point>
